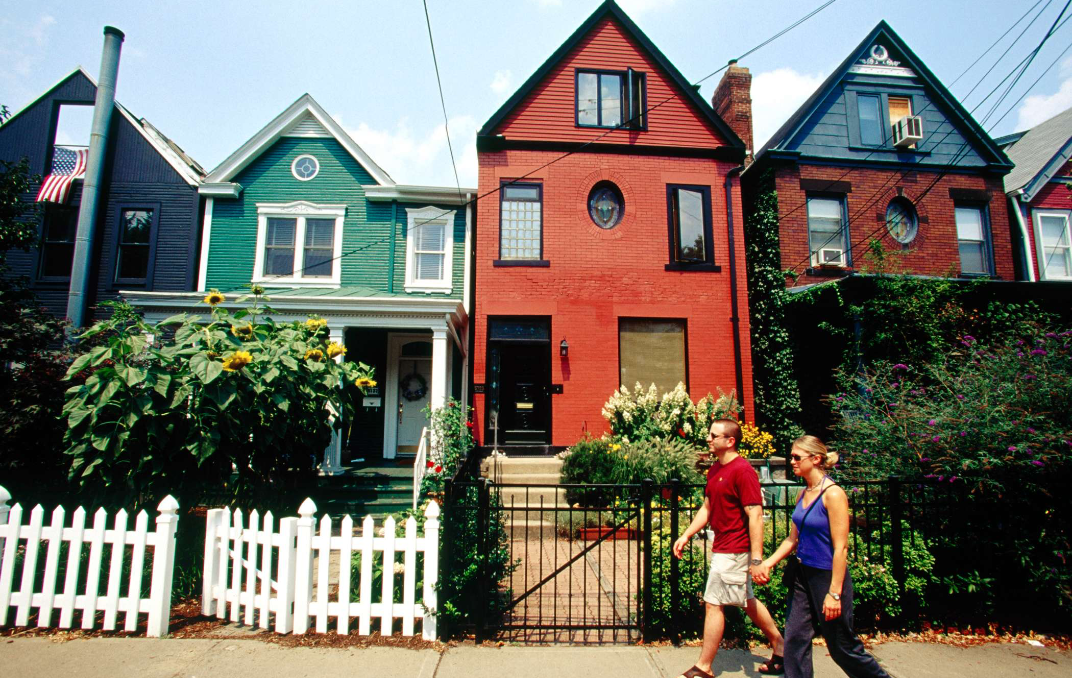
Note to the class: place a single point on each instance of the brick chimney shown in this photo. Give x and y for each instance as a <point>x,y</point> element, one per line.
<point>732,101</point>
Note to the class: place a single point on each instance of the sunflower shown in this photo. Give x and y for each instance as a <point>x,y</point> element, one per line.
<point>256,290</point>
<point>315,324</point>
<point>214,297</point>
<point>336,349</point>
<point>314,354</point>
<point>364,382</point>
<point>244,332</point>
<point>237,361</point>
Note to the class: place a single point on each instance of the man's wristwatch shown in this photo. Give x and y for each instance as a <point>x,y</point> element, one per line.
<point>835,596</point>
<point>755,562</point>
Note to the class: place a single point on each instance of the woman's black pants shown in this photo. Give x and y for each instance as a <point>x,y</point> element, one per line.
<point>805,617</point>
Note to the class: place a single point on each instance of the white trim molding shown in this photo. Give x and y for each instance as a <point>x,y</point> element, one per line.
<point>224,189</point>
<point>420,218</point>
<point>206,241</point>
<point>299,210</point>
<point>294,167</point>
<point>1040,247</point>
<point>418,194</point>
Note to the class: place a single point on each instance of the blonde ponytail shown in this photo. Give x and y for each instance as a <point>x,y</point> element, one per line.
<point>816,448</point>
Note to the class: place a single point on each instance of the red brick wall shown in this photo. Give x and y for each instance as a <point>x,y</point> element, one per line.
<point>548,113</point>
<point>597,276</point>
<point>1055,196</point>
<point>934,250</point>
<point>732,101</point>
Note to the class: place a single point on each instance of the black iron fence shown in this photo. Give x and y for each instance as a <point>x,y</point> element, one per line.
<point>593,563</point>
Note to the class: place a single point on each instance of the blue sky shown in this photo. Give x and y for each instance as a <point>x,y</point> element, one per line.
<point>210,74</point>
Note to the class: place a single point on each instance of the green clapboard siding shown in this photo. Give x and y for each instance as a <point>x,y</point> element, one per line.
<point>367,228</point>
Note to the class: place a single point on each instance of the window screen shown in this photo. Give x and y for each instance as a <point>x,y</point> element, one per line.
<point>279,247</point>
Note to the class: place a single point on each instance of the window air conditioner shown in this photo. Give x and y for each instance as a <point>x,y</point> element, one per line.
<point>831,256</point>
<point>908,131</point>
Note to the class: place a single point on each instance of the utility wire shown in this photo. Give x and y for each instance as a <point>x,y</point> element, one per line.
<point>493,191</point>
<point>992,46</point>
<point>442,100</point>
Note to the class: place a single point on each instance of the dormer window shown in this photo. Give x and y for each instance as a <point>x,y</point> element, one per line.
<point>611,99</point>
<point>877,115</point>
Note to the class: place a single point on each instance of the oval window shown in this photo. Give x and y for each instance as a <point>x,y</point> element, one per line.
<point>605,205</point>
<point>305,167</point>
<point>901,221</point>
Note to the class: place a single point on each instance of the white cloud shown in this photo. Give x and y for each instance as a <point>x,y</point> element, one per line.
<point>775,96</point>
<point>1041,107</point>
<point>421,156</point>
<point>500,84</point>
<point>39,30</point>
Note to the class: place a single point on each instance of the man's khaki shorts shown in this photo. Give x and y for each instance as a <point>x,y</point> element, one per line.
<point>728,582</point>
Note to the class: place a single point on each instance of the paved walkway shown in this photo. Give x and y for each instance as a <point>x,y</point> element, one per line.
<point>145,658</point>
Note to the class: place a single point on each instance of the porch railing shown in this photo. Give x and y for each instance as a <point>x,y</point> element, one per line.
<point>420,466</point>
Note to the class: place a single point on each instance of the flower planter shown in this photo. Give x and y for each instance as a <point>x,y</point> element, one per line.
<point>593,533</point>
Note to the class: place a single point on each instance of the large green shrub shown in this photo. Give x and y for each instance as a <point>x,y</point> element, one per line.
<point>641,414</point>
<point>451,441</point>
<point>178,407</point>
<point>603,461</point>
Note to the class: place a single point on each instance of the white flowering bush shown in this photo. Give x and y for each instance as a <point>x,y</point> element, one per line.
<point>641,414</point>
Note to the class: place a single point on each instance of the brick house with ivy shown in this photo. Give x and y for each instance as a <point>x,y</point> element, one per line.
<point>608,247</point>
<point>883,151</point>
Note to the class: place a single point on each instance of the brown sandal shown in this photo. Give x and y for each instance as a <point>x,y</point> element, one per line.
<point>696,672</point>
<point>775,666</point>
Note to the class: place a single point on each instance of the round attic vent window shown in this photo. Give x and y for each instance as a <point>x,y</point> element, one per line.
<point>305,167</point>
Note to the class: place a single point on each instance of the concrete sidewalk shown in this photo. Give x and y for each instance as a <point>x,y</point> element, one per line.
<point>228,658</point>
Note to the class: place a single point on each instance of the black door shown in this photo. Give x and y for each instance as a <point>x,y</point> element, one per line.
<point>525,394</point>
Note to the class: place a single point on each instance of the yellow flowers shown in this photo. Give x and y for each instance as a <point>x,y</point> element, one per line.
<point>755,444</point>
<point>336,349</point>
<point>364,382</point>
<point>315,324</point>
<point>615,447</point>
<point>214,297</point>
<point>237,361</point>
<point>243,332</point>
<point>314,354</point>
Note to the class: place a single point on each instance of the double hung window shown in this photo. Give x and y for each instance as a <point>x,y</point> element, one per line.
<point>611,99</point>
<point>689,213</point>
<point>57,249</point>
<point>876,115</point>
<point>521,222</point>
<point>652,351</point>
<point>134,249</point>
<point>298,243</point>
<point>828,239</point>
<point>973,240</point>
<point>1055,244</point>
<point>429,249</point>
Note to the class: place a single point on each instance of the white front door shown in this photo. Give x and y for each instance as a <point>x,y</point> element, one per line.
<point>414,389</point>
<point>408,392</point>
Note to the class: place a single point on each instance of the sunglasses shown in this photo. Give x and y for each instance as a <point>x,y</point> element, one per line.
<point>799,457</point>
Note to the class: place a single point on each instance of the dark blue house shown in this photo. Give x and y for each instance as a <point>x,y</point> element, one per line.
<point>147,230</point>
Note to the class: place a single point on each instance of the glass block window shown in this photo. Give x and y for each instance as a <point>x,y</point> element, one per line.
<point>652,351</point>
<point>520,230</point>
<point>1056,245</point>
<point>972,238</point>
<point>279,247</point>
<point>135,231</point>
<point>319,245</point>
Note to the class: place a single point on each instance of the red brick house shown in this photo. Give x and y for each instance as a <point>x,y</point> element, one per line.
<point>883,151</point>
<point>1040,198</point>
<point>608,243</point>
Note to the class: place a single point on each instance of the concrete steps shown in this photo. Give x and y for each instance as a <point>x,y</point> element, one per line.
<point>523,504</point>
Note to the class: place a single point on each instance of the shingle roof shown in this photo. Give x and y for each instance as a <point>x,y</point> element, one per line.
<point>1040,152</point>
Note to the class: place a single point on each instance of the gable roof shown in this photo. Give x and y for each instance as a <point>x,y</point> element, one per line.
<point>610,9</point>
<point>785,134</point>
<point>183,164</point>
<point>301,117</point>
<point>1039,154</point>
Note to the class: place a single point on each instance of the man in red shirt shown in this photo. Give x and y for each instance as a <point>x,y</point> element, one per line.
<point>733,507</point>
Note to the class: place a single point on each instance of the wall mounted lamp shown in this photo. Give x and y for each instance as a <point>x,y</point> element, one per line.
<point>563,349</point>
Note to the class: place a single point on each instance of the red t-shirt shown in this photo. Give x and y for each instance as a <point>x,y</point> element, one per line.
<point>730,488</point>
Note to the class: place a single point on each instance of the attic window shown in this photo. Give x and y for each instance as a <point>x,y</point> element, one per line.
<point>73,125</point>
<point>305,167</point>
<point>611,99</point>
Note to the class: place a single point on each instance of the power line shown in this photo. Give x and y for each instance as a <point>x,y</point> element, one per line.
<point>442,101</point>
<point>477,198</point>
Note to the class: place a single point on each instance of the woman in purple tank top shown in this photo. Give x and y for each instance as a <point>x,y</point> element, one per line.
<point>820,588</point>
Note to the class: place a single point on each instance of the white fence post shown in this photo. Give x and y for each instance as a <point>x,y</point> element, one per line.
<point>284,612</point>
<point>303,570</point>
<point>431,570</point>
<point>210,568</point>
<point>163,568</point>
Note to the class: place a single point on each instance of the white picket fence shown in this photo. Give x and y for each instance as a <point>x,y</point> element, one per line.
<point>29,540</point>
<point>266,574</point>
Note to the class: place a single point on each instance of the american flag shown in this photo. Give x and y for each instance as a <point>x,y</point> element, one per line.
<point>68,164</point>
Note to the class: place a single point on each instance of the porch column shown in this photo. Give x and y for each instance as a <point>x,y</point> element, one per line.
<point>440,369</point>
<point>332,464</point>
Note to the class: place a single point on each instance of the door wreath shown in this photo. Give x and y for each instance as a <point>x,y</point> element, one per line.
<point>413,386</point>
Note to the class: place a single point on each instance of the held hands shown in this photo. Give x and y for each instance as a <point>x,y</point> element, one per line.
<point>760,573</point>
<point>831,608</point>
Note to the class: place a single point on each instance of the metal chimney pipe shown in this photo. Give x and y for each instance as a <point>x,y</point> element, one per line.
<point>89,208</point>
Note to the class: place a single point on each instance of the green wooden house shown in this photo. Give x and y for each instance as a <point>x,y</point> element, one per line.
<point>303,211</point>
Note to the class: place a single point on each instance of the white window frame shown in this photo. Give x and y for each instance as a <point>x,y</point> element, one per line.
<point>299,210</point>
<point>417,217</point>
<point>1040,248</point>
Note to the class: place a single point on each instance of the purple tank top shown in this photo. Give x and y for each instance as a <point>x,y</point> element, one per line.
<point>815,548</point>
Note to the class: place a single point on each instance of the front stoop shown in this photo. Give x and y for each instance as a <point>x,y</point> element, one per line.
<point>525,504</point>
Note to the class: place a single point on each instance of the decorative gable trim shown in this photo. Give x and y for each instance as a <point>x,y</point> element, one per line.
<point>610,9</point>
<point>307,127</point>
<point>296,115</point>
